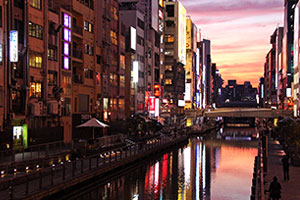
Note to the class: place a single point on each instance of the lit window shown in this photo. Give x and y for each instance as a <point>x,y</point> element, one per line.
<point>35,90</point>
<point>35,30</point>
<point>168,82</point>
<point>36,3</point>
<point>67,35</point>
<point>35,60</point>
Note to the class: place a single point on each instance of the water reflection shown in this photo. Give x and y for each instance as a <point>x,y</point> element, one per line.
<point>211,169</point>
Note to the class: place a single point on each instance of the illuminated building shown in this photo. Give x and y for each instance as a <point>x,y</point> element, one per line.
<point>175,54</point>
<point>190,67</point>
<point>143,62</point>
<point>296,66</point>
<point>288,53</point>
<point>205,60</point>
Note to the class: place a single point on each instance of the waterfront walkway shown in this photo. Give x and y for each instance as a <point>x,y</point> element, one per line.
<point>290,189</point>
<point>43,182</point>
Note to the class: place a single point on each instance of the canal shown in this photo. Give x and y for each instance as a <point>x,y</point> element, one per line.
<point>216,169</point>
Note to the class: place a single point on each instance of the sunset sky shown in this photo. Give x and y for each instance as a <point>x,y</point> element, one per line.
<point>239,31</point>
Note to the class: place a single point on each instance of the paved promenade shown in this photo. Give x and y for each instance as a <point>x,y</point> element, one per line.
<point>290,189</point>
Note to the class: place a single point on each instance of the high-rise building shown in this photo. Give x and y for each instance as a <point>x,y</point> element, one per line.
<point>296,61</point>
<point>175,55</point>
<point>205,60</point>
<point>144,24</point>
<point>190,67</point>
<point>287,53</point>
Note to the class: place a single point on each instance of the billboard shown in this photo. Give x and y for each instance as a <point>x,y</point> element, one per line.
<point>187,95</point>
<point>181,30</point>
<point>197,62</point>
<point>154,16</point>
<point>13,46</point>
<point>156,113</point>
<point>135,77</point>
<point>194,35</point>
<point>152,104</point>
<point>188,33</point>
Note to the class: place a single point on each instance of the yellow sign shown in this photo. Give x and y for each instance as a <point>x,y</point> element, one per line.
<point>161,3</point>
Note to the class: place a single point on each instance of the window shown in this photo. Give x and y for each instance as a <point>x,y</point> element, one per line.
<point>35,30</point>
<point>98,59</point>
<point>140,40</point>
<point>66,107</point>
<point>156,61</point>
<point>121,104</point>
<point>36,4</point>
<point>88,49</point>
<point>170,23</point>
<point>88,3</point>
<point>88,73</point>
<point>169,38</point>
<point>168,82</point>
<point>35,59</point>
<point>114,38</point>
<point>170,10</point>
<point>122,81</point>
<point>141,24</point>
<point>52,77</point>
<point>141,74</point>
<point>88,27</point>
<point>156,75</point>
<point>0,16</point>
<point>35,90</point>
<point>169,67</point>
<point>114,13</point>
<point>122,62</point>
<point>52,53</point>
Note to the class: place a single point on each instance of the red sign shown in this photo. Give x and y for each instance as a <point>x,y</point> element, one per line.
<point>152,104</point>
<point>146,99</point>
<point>156,91</point>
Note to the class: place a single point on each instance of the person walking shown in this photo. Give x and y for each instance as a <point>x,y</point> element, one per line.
<point>275,189</point>
<point>286,165</point>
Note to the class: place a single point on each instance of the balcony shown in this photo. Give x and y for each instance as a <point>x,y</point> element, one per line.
<point>77,29</point>
<point>77,79</point>
<point>77,54</point>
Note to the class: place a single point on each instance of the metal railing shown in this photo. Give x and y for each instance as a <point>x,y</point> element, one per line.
<point>36,179</point>
<point>33,152</point>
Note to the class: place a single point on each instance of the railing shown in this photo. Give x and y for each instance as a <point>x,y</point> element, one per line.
<point>33,152</point>
<point>34,180</point>
<point>77,29</point>
<point>77,54</point>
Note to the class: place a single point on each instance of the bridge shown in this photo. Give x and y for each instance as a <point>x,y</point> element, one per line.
<point>241,112</point>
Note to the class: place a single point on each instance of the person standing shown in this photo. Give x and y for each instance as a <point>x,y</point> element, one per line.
<point>286,165</point>
<point>275,189</point>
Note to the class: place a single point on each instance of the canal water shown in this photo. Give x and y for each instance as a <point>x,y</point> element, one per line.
<point>216,169</point>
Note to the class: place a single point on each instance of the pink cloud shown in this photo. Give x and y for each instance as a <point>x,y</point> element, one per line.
<point>239,31</point>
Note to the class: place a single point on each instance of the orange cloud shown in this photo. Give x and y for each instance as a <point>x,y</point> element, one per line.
<point>239,32</point>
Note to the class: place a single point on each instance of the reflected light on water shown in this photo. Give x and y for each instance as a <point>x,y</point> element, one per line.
<point>210,169</point>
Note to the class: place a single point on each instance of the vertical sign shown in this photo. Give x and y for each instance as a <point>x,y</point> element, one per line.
<point>135,71</point>
<point>156,114</point>
<point>13,46</point>
<point>25,136</point>
<point>132,38</point>
<point>152,104</point>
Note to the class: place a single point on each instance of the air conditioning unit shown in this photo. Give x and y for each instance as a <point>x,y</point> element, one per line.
<point>53,108</point>
<point>35,109</point>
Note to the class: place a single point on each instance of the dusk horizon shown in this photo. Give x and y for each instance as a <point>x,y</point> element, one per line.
<point>229,25</point>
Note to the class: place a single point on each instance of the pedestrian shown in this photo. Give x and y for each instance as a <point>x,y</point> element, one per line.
<point>275,189</point>
<point>286,165</point>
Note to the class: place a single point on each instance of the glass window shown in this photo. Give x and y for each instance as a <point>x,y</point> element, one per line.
<point>35,30</point>
<point>168,82</point>
<point>35,59</point>
<point>35,90</point>
<point>36,4</point>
